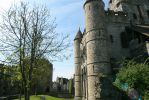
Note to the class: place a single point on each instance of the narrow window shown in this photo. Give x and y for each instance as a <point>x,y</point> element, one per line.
<point>134,16</point>
<point>124,40</point>
<point>111,39</point>
<point>148,13</point>
<point>82,81</point>
<point>89,7</point>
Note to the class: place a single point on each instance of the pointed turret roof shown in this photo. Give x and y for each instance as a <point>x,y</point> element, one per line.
<point>79,35</point>
<point>84,31</point>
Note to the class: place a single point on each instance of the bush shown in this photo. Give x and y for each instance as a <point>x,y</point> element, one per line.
<point>136,75</point>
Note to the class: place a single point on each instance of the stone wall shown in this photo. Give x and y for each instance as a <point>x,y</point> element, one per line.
<point>136,9</point>
<point>102,41</point>
<point>115,26</point>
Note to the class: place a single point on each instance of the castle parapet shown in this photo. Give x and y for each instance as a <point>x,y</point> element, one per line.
<point>117,17</point>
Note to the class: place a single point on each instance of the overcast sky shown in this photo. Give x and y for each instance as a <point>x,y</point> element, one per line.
<point>69,17</point>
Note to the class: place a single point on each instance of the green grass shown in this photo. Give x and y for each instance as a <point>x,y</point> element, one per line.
<point>38,97</point>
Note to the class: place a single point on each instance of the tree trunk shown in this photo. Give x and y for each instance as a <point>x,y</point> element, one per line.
<point>20,91</point>
<point>25,93</point>
<point>28,94</point>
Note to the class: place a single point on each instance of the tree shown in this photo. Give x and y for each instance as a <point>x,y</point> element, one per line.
<point>29,33</point>
<point>10,80</point>
<point>43,70</point>
<point>71,86</point>
<point>136,75</point>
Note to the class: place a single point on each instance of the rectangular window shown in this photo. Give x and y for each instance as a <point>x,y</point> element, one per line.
<point>124,40</point>
<point>134,16</point>
<point>148,13</point>
<point>111,38</point>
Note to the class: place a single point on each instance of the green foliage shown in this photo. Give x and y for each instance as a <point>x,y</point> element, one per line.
<point>146,95</point>
<point>117,83</point>
<point>71,86</point>
<point>136,75</point>
<point>42,70</point>
<point>10,79</point>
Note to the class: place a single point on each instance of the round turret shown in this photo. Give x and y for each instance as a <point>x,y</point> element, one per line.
<point>94,14</point>
<point>97,49</point>
<point>77,41</point>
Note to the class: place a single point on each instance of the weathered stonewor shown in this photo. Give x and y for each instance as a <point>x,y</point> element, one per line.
<point>98,63</point>
<point>108,39</point>
<point>77,40</point>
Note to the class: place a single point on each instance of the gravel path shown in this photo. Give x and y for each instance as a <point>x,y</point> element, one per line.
<point>42,98</point>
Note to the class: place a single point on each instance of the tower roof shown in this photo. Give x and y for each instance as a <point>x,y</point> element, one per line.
<point>84,31</point>
<point>79,35</point>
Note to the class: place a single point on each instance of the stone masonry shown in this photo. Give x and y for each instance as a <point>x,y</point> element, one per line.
<point>96,45</point>
<point>107,39</point>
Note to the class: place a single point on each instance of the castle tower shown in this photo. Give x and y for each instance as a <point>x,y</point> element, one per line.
<point>77,40</point>
<point>98,64</point>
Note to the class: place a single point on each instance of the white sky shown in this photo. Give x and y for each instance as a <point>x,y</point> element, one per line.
<point>5,4</point>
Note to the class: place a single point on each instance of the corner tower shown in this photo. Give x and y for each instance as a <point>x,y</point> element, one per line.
<point>98,63</point>
<point>77,40</point>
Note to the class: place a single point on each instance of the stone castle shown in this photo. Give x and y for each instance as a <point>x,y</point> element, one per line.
<point>110,35</point>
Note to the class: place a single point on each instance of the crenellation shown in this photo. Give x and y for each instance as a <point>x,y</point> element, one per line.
<point>117,17</point>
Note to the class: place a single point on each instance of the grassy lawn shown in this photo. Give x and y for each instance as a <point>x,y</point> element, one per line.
<point>38,97</point>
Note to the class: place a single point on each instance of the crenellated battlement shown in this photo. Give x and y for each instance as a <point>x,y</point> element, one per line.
<point>116,16</point>
<point>119,13</point>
